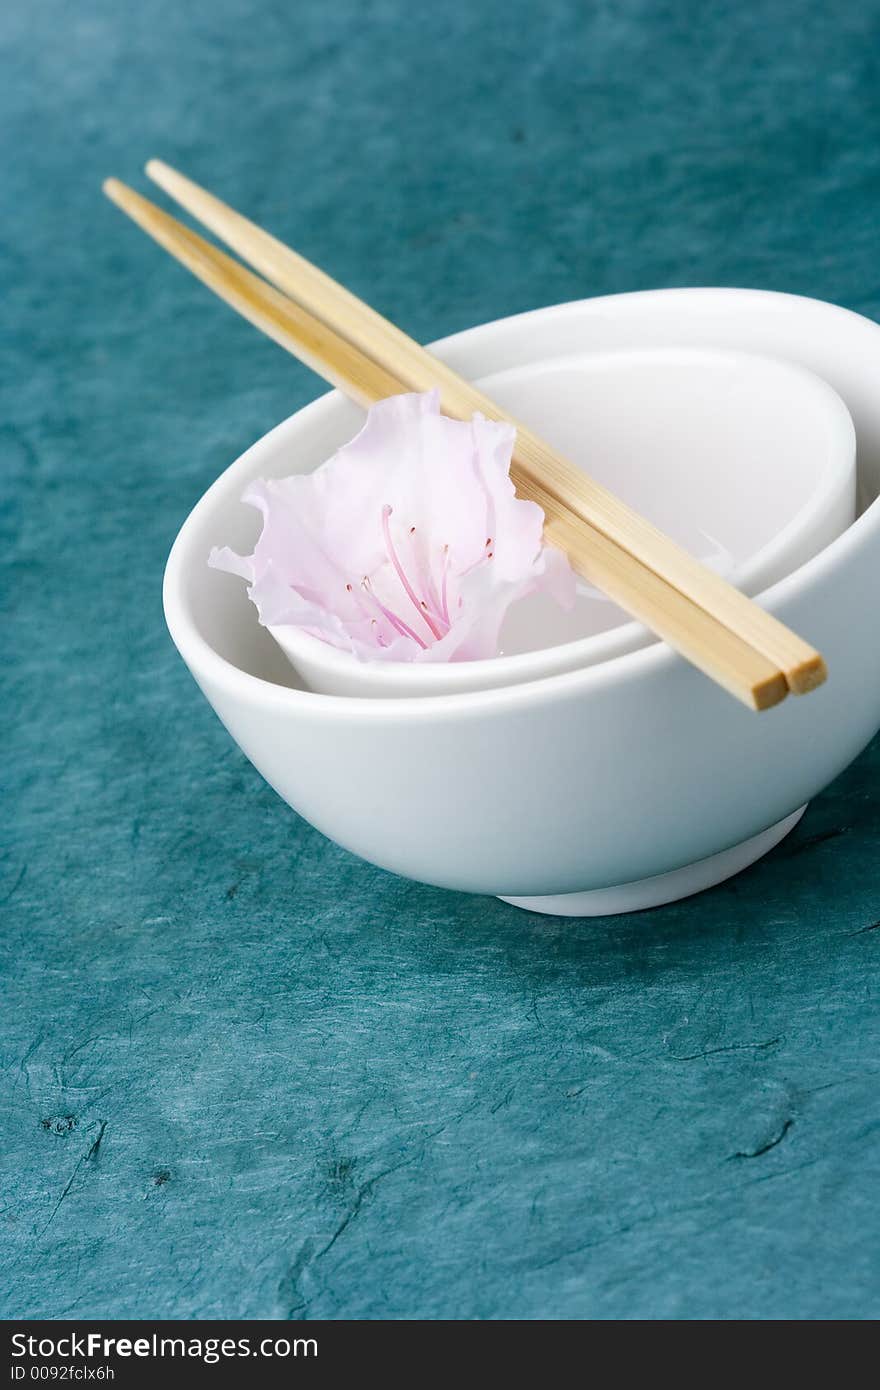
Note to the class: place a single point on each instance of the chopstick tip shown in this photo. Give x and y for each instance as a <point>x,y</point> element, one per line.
<point>809,675</point>
<point>769,692</point>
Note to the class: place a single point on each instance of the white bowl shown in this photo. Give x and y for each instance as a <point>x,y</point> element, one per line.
<point>746,461</point>
<point>629,783</point>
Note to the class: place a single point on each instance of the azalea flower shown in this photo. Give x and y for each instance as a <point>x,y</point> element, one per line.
<point>409,544</point>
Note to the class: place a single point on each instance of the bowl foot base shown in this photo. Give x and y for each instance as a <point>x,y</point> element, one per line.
<point>662,888</point>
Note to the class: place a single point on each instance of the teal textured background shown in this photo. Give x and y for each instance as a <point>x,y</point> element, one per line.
<point>243,1073</point>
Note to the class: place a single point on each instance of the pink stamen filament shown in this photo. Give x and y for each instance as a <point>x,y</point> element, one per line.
<point>420,566</point>
<point>420,607</point>
<point>369,604</point>
<point>397,623</point>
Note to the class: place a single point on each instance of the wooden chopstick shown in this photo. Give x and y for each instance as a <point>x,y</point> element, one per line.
<point>698,634</point>
<point>534,460</point>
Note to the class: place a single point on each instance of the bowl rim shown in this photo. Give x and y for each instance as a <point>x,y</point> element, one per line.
<point>630,635</point>
<point>204,661</point>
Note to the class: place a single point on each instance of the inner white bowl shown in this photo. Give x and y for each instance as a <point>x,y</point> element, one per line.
<point>747,461</point>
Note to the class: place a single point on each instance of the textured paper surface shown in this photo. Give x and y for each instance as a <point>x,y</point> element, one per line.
<point>244,1073</point>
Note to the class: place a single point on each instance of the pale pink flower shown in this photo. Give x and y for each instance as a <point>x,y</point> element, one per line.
<point>409,544</point>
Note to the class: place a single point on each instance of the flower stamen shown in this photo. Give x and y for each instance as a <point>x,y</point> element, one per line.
<point>418,604</point>
<point>390,616</point>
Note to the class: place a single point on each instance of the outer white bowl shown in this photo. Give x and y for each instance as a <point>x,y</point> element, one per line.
<point>597,779</point>
<point>747,461</point>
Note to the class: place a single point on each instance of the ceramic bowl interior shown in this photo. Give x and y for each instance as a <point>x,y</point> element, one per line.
<point>748,462</point>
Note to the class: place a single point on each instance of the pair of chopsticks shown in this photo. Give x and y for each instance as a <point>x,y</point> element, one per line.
<point>727,636</point>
